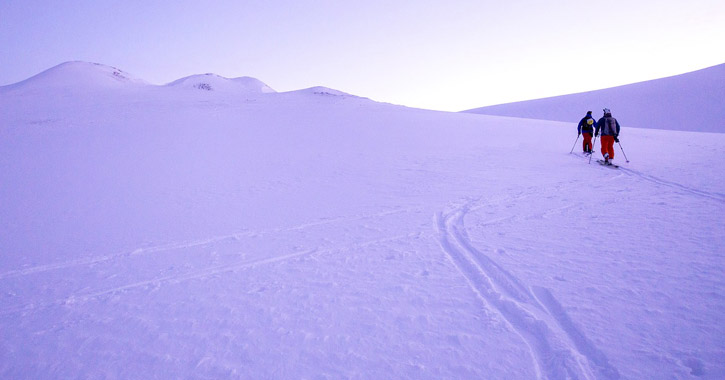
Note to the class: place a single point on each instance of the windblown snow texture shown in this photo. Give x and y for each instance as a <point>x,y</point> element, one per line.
<point>234,232</point>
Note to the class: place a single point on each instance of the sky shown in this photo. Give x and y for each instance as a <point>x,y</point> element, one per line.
<point>443,55</point>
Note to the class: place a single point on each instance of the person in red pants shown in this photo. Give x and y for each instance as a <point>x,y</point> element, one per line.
<point>586,128</point>
<point>609,127</point>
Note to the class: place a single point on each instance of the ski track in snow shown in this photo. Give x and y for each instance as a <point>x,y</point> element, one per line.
<point>202,273</point>
<point>558,348</point>
<point>673,185</point>
<point>706,194</point>
<point>189,244</point>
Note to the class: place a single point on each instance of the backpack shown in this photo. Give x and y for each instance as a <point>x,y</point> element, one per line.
<point>610,126</point>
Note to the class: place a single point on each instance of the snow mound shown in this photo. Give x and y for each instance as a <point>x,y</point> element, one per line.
<point>253,83</point>
<point>688,102</point>
<point>213,82</point>
<point>79,75</point>
<point>322,91</point>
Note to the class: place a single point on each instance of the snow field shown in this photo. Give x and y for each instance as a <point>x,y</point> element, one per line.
<point>173,232</point>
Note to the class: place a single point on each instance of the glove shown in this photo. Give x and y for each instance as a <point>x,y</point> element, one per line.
<point>616,139</point>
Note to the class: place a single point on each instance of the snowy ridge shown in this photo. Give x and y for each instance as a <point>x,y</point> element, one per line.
<point>320,90</point>
<point>78,75</point>
<point>213,82</point>
<point>688,102</point>
<point>87,77</point>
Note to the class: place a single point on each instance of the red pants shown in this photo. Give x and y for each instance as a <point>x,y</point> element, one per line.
<point>608,146</point>
<point>587,145</point>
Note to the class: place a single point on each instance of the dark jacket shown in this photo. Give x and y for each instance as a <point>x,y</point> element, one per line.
<point>584,127</point>
<point>608,125</point>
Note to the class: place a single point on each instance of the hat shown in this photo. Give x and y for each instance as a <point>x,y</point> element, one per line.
<point>606,110</point>
<point>588,112</point>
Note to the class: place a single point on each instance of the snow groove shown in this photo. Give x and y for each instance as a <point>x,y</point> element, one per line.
<point>198,274</point>
<point>705,194</point>
<point>558,349</point>
<point>500,278</point>
<point>673,185</point>
<point>177,278</point>
<point>583,344</point>
<point>189,244</point>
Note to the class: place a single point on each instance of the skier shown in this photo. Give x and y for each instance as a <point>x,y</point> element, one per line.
<point>609,127</point>
<point>586,127</point>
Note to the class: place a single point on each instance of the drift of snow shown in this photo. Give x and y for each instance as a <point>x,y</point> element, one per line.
<point>153,231</point>
<point>687,102</point>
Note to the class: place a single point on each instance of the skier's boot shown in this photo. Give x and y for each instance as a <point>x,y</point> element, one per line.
<point>606,159</point>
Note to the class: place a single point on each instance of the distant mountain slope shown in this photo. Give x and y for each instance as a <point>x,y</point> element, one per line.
<point>78,75</point>
<point>78,78</point>
<point>96,83</point>
<point>689,102</point>
<point>213,82</point>
<point>320,90</point>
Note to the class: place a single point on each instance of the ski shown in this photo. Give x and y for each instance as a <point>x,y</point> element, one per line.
<point>613,166</point>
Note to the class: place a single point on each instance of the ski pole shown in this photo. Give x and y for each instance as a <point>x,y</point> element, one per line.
<point>593,144</point>
<point>625,154</point>
<point>572,148</point>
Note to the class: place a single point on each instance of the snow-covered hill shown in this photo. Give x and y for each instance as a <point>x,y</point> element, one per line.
<point>688,102</point>
<point>77,75</point>
<point>160,232</point>
<point>213,82</point>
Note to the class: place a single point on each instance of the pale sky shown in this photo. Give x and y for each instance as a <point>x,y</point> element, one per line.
<point>444,55</point>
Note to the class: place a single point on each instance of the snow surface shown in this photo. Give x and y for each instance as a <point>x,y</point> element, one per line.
<point>687,102</point>
<point>157,232</point>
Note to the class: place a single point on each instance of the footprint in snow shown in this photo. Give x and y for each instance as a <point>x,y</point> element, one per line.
<point>695,365</point>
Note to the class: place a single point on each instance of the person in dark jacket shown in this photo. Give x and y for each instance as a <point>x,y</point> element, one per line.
<point>586,128</point>
<point>609,128</point>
